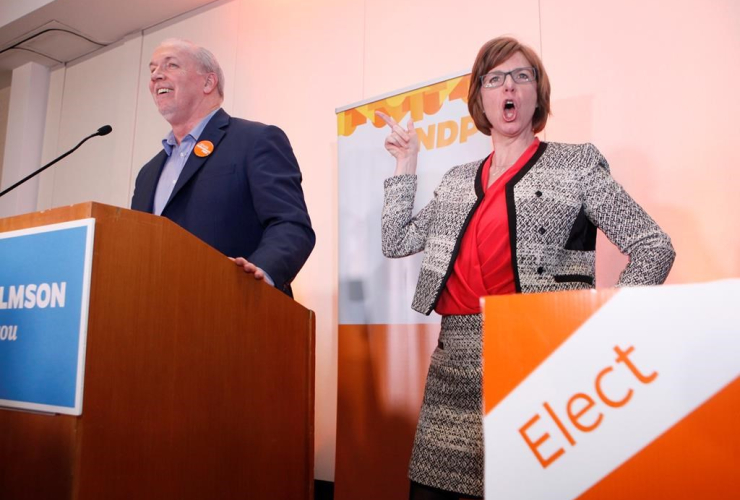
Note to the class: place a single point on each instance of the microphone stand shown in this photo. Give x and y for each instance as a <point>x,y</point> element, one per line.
<point>105,130</point>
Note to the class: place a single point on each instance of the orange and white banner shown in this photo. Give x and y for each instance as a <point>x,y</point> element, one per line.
<point>613,394</point>
<point>384,346</point>
<point>373,289</point>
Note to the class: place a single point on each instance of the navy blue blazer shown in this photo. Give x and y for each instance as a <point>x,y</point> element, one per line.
<point>244,199</point>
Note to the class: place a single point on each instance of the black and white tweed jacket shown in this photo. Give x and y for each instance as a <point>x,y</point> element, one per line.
<point>554,203</point>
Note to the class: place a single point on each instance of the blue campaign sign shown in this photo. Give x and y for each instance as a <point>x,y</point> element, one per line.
<point>44,297</point>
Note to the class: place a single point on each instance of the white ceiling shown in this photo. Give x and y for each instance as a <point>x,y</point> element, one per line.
<point>76,27</point>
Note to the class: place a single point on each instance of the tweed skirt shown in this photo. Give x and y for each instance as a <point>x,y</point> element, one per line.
<point>448,447</point>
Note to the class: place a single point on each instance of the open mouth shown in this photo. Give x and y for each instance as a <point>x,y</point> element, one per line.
<point>163,91</point>
<point>509,110</point>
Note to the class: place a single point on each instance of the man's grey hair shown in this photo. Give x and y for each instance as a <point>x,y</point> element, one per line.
<point>207,62</point>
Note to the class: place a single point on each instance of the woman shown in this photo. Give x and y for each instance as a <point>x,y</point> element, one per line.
<point>522,220</point>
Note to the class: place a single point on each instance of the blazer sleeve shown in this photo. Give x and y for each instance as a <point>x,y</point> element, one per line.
<point>626,224</point>
<point>401,233</point>
<point>275,184</point>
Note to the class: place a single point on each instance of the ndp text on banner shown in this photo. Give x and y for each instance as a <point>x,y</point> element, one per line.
<point>44,297</point>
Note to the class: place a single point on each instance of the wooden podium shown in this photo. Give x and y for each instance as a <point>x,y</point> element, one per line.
<point>199,381</point>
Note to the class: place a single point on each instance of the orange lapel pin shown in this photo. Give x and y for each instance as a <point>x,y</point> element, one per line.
<point>203,148</point>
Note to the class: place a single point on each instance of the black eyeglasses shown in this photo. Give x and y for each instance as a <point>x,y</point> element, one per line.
<point>495,79</point>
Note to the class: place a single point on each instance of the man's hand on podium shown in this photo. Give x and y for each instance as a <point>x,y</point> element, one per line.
<point>250,268</point>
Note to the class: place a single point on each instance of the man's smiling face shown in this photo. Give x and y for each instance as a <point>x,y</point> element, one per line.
<point>176,84</point>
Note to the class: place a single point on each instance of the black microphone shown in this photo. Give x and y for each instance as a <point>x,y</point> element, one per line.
<point>104,130</point>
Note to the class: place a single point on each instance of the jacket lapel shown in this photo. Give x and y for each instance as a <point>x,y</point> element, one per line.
<point>144,194</point>
<point>214,132</point>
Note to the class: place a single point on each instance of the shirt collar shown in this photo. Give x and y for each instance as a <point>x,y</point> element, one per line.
<point>169,142</point>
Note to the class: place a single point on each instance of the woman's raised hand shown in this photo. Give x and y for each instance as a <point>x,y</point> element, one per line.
<point>402,143</point>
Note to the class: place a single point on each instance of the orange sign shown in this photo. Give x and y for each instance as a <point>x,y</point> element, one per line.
<point>612,394</point>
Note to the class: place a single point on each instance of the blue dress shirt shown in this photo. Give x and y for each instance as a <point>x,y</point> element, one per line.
<point>177,155</point>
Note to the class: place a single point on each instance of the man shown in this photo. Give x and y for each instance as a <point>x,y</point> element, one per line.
<point>233,183</point>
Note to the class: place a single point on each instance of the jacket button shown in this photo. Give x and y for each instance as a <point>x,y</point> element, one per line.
<point>540,270</point>
<point>542,230</point>
<point>538,194</point>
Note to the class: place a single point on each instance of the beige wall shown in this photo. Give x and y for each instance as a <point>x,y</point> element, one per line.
<point>650,83</point>
<point>4,106</point>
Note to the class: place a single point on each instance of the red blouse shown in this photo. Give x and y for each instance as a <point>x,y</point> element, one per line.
<point>483,264</point>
